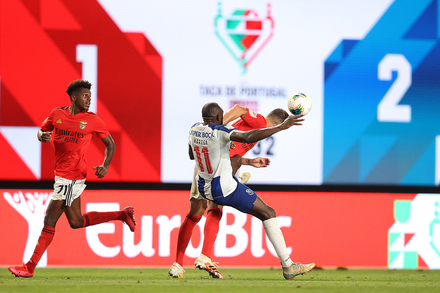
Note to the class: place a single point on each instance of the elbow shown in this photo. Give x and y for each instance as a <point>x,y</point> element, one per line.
<point>241,110</point>
<point>111,146</point>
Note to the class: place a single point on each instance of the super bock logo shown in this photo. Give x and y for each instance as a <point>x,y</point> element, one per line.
<point>244,34</point>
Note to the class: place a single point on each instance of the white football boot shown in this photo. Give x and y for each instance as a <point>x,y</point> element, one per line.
<point>297,269</point>
<point>244,177</point>
<point>176,271</point>
<point>205,263</point>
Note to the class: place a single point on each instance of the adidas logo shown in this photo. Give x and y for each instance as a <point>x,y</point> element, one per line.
<point>59,121</point>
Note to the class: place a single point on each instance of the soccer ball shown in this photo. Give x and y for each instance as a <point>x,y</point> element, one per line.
<point>299,104</point>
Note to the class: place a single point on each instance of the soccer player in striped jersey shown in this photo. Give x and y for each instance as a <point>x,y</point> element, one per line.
<point>246,119</point>
<point>209,144</point>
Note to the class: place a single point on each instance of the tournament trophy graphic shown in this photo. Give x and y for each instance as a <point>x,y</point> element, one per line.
<point>244,34</point>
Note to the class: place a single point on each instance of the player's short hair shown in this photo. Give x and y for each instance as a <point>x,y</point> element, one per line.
<point>277,116</point>
<point>75,85</point>
<point>211,110</point>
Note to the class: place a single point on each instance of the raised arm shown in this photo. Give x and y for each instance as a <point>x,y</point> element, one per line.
<point>259,134</point>
<point>109,143</point>
<point>234,113</point>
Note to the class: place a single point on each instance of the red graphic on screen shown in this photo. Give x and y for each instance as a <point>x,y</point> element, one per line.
<point>344,230</point>
<point>39,57</point>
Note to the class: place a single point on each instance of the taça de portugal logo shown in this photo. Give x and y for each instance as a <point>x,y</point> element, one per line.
<point>244,34</point>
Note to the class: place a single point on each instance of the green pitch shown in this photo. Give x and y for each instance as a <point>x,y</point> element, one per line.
<point>236,281</point>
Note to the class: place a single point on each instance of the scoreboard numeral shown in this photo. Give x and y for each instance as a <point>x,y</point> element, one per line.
<point>389,109</point>
<point>266,144</point>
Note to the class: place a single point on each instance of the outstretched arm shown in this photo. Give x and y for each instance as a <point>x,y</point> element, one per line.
<point>109,143</point>
<point>234,113</point>
<point>259,134</point>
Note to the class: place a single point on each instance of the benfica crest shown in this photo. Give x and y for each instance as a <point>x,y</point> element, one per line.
<point>244,33</point>
<point>82,124</point>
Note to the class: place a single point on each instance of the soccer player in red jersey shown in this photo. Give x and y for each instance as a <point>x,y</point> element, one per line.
<point>248,121</point>
<point>72,129</point>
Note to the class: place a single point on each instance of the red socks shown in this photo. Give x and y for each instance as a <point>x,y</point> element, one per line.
<point>185,233</point>
<point>90,218</point>
<point>211,230</point>
<point>93,218</point>
<point>42,244</point>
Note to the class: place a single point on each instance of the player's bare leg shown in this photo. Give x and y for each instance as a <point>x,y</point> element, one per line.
<point>268,216</point>
<point>78,220</point>
<point>54,211</point>
<point>74,215</point>
<point>236,164</point>
<point>197,207</point>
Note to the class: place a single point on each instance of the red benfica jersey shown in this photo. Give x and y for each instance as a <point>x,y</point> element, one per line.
<point>250,121</point>
<point>71,137</point>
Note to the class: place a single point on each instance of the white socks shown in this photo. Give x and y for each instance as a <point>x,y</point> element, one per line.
<point>276,237</point>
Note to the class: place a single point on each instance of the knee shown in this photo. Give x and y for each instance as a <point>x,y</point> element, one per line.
<point>272,213</point>
<point>49,221</point>
<point>76,224</point>
<point>197,207</point>
<point>269,213</point>
<point>235,163</point>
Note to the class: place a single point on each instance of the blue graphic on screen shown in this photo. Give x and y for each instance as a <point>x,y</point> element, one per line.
<point>382,101</point>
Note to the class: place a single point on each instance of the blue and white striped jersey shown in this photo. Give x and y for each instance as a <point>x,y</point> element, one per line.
<point>210,145</point>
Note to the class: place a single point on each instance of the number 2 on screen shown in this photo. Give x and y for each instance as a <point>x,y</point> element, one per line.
<point>389,109</point>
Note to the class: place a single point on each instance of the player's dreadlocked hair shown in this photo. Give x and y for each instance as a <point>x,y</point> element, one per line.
<point>76,85</point>
<point>277,116</point>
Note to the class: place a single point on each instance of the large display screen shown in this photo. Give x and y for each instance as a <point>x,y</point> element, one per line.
<point>353,230</point>
<point>369,66</point>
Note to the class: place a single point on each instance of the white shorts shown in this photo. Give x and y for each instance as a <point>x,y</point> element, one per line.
<point>194,187</point>
<point>68,190</point>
